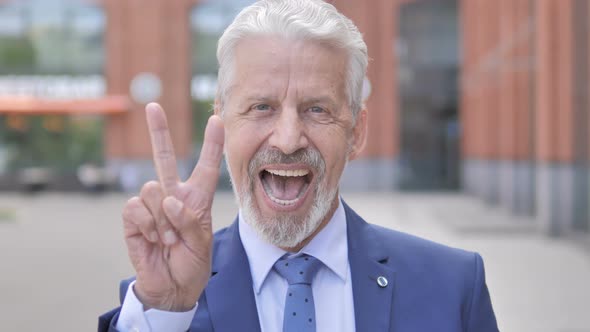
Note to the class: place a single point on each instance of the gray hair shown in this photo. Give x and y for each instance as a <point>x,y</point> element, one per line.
<point>297,19</point>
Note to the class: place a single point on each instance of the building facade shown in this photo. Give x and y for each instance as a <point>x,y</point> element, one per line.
<point>487,96</point>
<point>524,107</point>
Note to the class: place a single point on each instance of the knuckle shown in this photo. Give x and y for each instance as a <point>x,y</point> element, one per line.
<point>166,153</point>
<point>150,188</point>
<point>210,171</point>
<point>130,207</point>
<point>128,214</point>
<point>152,184</point>
<point>133,200</point>
<point>202,214</point>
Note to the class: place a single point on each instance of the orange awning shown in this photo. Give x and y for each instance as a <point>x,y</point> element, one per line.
<point>112,104</point>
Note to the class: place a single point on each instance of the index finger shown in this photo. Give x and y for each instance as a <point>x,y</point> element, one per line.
<point>162,148</point>
<point>206,172</point>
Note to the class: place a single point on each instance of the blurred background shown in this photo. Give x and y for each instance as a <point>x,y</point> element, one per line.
<point>478,138</point>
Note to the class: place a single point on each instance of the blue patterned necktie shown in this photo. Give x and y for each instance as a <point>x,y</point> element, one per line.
<point>299,313</point>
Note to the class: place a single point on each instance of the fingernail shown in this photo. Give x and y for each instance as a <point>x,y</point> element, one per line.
<point>151,107</point>
<point>174,205</point>
<point>154,236</point>
<point>169,237</point>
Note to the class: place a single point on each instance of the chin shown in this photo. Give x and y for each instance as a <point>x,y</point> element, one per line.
<point>285,198</point>
<point>287,229</point>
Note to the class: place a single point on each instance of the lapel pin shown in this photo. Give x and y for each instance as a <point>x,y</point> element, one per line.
<point>382,281</point>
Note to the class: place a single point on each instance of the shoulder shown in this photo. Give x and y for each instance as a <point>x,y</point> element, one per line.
<point>429,264</point>
<point>430,277</point>
<point>404,246</point>
<point>419,260</point>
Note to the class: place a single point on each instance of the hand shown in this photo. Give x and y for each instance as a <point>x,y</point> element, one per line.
<point>168,227</point>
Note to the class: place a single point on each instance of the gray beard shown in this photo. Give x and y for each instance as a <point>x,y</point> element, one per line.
<point>285,231</point>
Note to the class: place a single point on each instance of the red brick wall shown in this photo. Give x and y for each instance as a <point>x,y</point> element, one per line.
<point>554,81</point>
<point>517,80</point>
<point>377,20</point>
<point>148,36</point>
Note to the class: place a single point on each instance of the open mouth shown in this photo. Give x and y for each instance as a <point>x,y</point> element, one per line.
<point>285,187</point>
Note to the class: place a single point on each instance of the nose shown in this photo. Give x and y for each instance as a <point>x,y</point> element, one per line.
<point>288,133</point>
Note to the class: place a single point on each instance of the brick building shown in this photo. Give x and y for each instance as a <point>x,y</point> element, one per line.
<point>524,108</point>
<point>490,96</point>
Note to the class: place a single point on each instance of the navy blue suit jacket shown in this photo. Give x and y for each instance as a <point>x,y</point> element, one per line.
<point>430,287</point>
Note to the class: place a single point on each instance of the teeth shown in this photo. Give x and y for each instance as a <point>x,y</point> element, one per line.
<point>282,202</point>
<point>291,172</point>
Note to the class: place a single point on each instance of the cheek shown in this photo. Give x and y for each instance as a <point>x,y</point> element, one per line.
<point>241,145</point>
<point>333,146</point>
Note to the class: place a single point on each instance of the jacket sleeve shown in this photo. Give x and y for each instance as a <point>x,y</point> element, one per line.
<point>131,315</point>
<point>480,317</point>
<point>108,321</point>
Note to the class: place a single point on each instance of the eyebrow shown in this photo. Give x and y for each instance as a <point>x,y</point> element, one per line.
<point>306,101</point>
<point>320,100</point>
<point>259,98</point>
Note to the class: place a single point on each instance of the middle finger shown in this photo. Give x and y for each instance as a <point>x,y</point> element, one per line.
<point>152,194</point>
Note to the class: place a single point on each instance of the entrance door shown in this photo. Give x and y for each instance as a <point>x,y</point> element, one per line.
<point>428,71</point>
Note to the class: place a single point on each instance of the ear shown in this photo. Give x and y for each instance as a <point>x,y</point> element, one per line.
<point>359,135</point>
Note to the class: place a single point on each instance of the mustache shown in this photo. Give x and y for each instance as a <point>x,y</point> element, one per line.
<point>308,156</point>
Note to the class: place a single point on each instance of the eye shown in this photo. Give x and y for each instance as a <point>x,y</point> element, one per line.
<point>316,109</point>
<point>262,107</point>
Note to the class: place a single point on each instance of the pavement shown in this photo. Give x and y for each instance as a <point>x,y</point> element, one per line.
<point>63,256</point>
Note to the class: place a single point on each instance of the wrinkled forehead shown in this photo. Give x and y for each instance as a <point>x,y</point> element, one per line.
<point>275,64</point>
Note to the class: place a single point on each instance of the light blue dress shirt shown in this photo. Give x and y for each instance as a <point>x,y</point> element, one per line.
<point>332,287</point>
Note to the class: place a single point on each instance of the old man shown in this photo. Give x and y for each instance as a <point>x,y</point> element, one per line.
<point>288,117</point>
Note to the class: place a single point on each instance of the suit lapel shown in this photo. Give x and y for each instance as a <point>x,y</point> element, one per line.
<point>373,296</point>
<point>230,295</point>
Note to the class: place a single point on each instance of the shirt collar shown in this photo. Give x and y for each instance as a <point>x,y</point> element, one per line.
<point>330,246</point>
